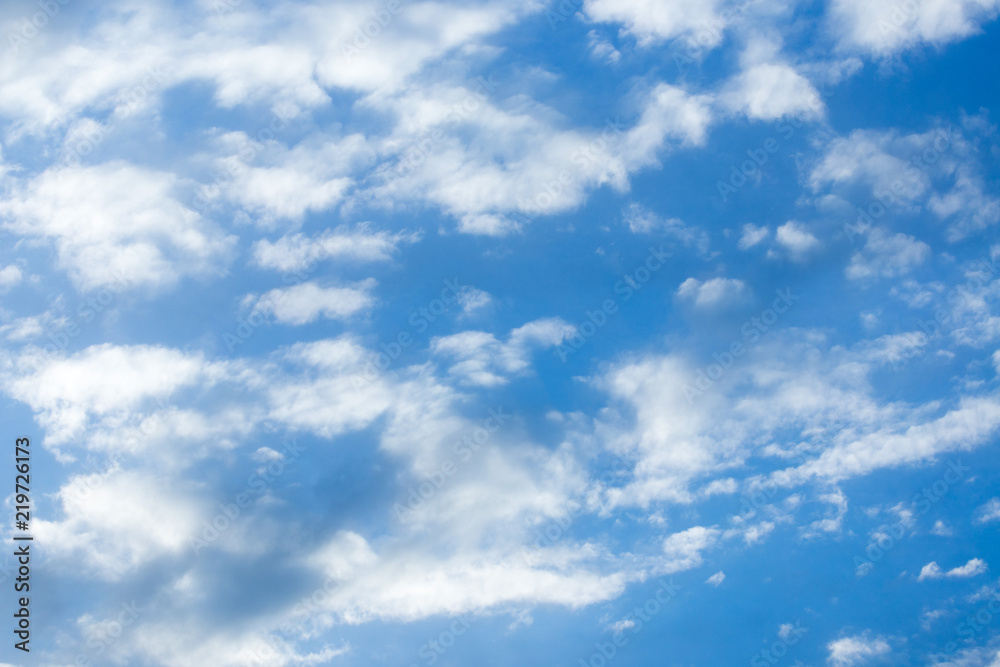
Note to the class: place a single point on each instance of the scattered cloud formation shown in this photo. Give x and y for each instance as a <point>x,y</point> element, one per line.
<point>973,568</point>
<point>329,326</point>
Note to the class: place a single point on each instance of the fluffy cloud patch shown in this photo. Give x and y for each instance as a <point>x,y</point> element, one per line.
<point>989,512</point>
<point>684,550</point>
<point>361,244</point>
<point>307,302</point>
<point>857,650</point>
<point>932,570</point>
<point>481,359</point>
<point>714,293</point>
<point>769,88</point>
<point>115,523</point>
<point>651,22</point>
<point>116,224</point>
<point>887,256</point>
<point>796,239</point>
<point>883,29</point>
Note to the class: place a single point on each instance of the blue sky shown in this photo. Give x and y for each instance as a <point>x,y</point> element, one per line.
<point>415,333</point>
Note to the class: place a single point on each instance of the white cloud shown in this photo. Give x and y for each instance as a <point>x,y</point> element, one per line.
<point>602,49</point>
<point>641,220</point>
<point>468,539</point>
<point>894,349</point>
<point>488,224</point>
<point>307,302</point>
<point>621,626</point>
<point>681,428</point>
<point>887,256</point>
<point>281,184</point>
<point>769,88</point>
<point>752,235</point>
<point>787,631</point>
<point>967,205</point>
<point>683,550</point>
<point>361,244</point>
<point>671,437</point>
<point>930,571</point>
<point>286,59</point>
<point>331,387</point>
<point>266,455</point>
<point>311,387</point>
<point>714,293</point>
<point>834,520</point>
<point>972,421</point>
<point>156,640</point>
<point>522,161</point>
<point>10,276</point>
<point>116,223</point>
<point>493,164</point>
<point>508,155</point>
<point>112,525</point>
<point>651,22</point>
<point>473,300</point>
<point>880,159</point>
<point>941,529</point>
<point>980,656</point>
<point>395,588</point>
<point>101,382</point>
<point>27,328</point>
<point>881,29</point>
<point>857,650</point>
<point>938,170</point>
<point>989,512</point>
<point>798,240</point>
<point>973,568</point>
<point>481,359</point>
<point>716,579</point>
